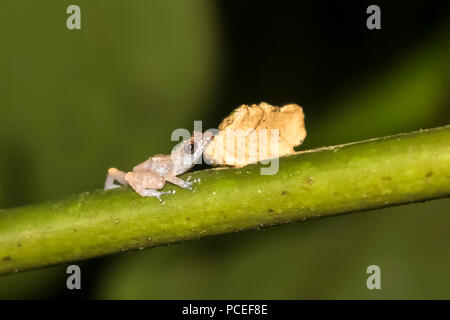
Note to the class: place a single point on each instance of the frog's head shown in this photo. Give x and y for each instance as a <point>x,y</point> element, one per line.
<point>189,152</point>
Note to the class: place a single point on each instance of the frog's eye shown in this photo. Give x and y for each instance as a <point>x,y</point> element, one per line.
<point>190,147</point>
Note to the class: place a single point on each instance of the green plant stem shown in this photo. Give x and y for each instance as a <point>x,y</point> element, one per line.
<point>324,182</point>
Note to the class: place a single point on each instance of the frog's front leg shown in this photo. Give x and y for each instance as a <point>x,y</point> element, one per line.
<point>179,182</point>
<point>145,183</point>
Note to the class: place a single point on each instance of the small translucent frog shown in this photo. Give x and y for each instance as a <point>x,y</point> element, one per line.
<point>152,174</point>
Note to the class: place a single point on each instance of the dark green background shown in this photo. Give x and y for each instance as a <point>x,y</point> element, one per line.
<point>73,103</point>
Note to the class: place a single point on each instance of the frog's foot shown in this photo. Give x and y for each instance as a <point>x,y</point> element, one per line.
<point>153,193</point>
<point>179,182</point>
<point>115,175</point>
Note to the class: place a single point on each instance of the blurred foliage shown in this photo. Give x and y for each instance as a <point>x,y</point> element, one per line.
<point>413,90</point>
<point>73,103</point>
<point>77,102</point>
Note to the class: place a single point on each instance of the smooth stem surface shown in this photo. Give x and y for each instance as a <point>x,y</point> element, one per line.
<point>336,180</point>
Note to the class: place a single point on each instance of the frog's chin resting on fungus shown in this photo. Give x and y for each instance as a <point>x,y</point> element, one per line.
<point>248,135</point>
